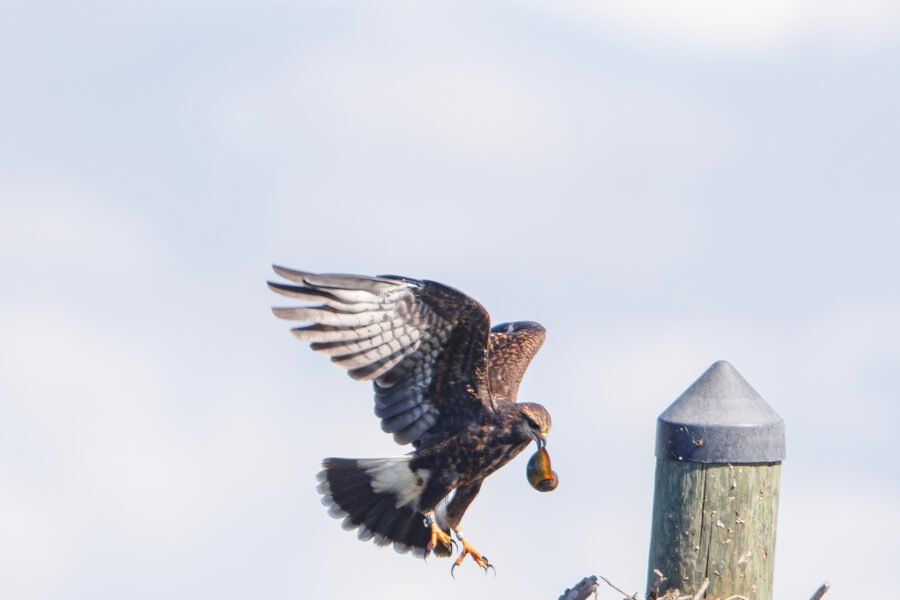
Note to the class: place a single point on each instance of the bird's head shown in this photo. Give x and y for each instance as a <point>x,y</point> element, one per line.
<point>534,422</point>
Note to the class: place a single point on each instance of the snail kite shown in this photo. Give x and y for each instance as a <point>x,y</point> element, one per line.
<point>445,382</point>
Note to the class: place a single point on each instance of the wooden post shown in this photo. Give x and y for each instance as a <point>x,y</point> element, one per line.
<point>719,449</point>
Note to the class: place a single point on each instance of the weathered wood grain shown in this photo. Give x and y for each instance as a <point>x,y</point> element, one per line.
<point>714,521</point>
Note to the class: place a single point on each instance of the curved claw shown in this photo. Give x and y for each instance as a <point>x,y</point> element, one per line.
<point>484,567</point>
<point>480,560</point>
<point>438,536</point>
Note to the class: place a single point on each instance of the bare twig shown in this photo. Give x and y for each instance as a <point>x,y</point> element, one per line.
<point>821,591</point>
<point>701,590</point>
<point>581,590</point>
<point>624,593</point>
<point>588,585</point>
<point>659,580</point>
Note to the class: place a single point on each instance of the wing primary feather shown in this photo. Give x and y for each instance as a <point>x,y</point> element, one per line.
<point>325,315</point>
<point>363,358</point>
<point>392,410</point>
<point>344,303</point>
<point>356,296</point>
<point>350,282</point>
<point>375,285</point>
<point>300,292</point>
<point>411,433</point>
<point>335,334</point>
<point>403,420</point>
<point>361,344</point>
<point>290,274</point>
<point>379,368</point>
<point>324,333</point>
<point>340,348</point>
<point>371,355</point>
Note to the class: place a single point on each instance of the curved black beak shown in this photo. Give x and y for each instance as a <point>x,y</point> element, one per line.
<point>539,440</point>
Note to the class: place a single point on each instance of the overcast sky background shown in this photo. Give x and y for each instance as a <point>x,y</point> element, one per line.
<point>660,184</point>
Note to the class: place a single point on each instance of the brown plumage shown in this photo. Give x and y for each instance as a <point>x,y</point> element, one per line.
<point>444,381</point>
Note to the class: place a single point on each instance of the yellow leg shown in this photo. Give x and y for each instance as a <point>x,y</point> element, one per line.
<point>469,550</point>
<point>438,536</point>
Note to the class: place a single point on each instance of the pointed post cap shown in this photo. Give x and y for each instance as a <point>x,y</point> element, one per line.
<point>720,419</point>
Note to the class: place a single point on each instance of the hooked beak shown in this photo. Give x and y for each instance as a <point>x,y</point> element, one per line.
<point>538,439</point>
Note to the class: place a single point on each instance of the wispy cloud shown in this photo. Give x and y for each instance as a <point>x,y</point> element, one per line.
<point>748,29</point>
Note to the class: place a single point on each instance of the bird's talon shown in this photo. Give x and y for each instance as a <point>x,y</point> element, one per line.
<point>438,536</point>
<point>469,550</point>
<point>485,565</point>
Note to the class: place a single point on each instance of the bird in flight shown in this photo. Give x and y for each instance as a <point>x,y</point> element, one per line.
<point>445,381</point>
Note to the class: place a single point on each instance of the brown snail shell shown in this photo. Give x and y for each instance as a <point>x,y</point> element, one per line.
<point>540,475</point>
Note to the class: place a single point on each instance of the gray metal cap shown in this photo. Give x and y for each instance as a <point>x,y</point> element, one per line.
<point>720,419</point>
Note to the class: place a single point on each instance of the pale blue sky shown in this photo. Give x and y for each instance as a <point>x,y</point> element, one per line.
<point>661,185</point>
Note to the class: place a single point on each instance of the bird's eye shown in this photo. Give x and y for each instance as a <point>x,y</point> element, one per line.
<point>532,423</point>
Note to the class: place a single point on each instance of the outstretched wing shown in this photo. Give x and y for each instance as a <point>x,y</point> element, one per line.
<point>423,344</point>
<point>511,348</point>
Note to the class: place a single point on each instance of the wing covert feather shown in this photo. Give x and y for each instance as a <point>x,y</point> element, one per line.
<point>510,350</point>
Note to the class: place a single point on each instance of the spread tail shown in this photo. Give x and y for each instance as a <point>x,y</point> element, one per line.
<point>380,497</point>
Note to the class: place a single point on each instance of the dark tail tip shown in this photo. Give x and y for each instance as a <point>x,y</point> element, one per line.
<point>346,488</point>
